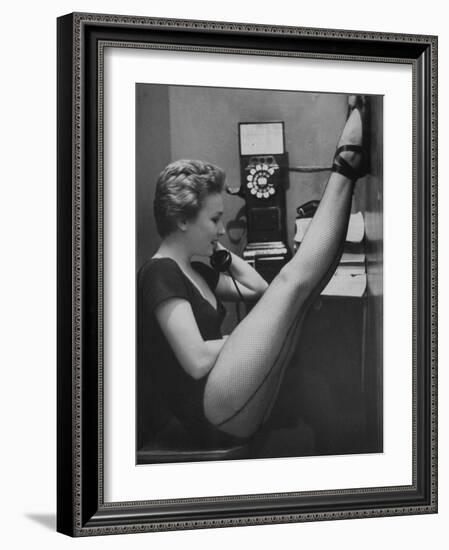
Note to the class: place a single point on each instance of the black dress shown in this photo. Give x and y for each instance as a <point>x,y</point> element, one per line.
<point>167,395</point>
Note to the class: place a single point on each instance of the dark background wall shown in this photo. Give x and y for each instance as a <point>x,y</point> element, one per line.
<point>153,152</point>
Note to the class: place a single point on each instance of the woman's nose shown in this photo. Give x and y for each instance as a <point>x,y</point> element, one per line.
<point>221,229</point>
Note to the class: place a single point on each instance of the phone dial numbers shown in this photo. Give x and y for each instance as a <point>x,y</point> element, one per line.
<point>260,173</point>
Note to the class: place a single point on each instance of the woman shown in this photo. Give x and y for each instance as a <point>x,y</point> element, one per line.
<point>223,389</point>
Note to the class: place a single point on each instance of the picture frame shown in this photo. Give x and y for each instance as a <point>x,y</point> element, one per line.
<point>82,509</point>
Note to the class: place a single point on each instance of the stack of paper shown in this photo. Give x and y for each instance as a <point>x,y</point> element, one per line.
<point>349,278</point>
<point>355,234</point>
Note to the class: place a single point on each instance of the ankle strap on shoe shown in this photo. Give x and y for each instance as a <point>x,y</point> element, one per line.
<point>352,148</point>
<point>341,166</point>
<point>344,168</point>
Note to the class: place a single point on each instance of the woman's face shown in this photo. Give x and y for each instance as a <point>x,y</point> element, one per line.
<point>204,231</point>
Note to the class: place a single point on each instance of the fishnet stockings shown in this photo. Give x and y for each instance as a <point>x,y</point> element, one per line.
<point>245,379</point>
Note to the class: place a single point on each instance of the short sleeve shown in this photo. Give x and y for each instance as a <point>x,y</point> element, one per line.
<point>210,275</point>
<point>160,280</point>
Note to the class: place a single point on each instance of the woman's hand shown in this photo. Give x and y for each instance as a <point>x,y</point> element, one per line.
<point>250,283</point>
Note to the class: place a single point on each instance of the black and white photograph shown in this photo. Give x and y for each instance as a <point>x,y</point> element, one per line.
<point>259,273</point>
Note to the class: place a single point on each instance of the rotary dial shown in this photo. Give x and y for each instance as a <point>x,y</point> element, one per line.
<point>258,180</point>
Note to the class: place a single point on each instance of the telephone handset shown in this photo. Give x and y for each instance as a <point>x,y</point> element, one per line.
<point>307,210</point>
<point>221,260</point>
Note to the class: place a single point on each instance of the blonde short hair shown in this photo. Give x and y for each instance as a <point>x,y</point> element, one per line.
<point>181,189</point>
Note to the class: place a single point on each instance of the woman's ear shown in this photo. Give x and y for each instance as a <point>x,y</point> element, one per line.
<point>182,224</point>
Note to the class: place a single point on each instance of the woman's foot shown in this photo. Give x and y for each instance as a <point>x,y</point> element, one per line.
<point>350,155</point>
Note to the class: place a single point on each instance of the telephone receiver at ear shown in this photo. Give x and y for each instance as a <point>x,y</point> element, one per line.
<point>221,260</point>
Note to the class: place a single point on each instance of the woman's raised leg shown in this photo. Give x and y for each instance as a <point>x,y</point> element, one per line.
<point>246,376</point>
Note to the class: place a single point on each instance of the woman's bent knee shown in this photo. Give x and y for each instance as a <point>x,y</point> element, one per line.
<point>218,405</point>
<point>235,424</point>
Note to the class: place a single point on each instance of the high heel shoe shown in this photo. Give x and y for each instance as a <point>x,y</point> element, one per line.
<point>340,164</point>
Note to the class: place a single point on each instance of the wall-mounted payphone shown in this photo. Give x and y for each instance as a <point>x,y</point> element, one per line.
<point>264,178</point>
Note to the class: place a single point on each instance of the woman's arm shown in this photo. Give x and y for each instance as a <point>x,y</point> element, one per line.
<point>250,283</point>
<point>195,355</point>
